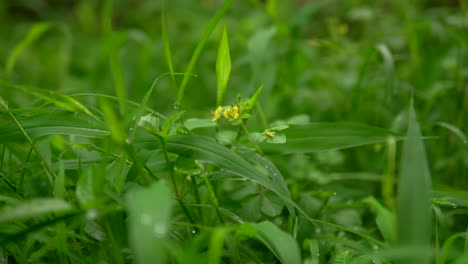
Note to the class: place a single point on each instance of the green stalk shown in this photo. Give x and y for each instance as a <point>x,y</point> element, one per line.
<point>196,54</point>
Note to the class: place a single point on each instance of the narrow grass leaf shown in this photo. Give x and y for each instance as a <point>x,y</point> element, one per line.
<point>414,194</point>
<point>201,44</point>
<point>33,208</point>
<point>447,247</point>
<point>223,67</point>
<point>216,245</point>
<point>280,243</point>
<point>59,182</point>
<point>36,31</point>
<point>149,211</point>
<point>63,101</point>
<point>117,70</point>
<point>113,122</point>
<point>167,47</point>
<point>53,123</point>
<point>328,136</point>
<point>458,132</point>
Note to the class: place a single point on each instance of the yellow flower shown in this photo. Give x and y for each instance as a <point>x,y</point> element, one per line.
<point>217,114</point>
<point>235,112</point>
<point>269,134</point>
<point>227,113</point>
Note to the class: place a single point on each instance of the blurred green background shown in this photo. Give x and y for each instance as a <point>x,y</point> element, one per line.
<point>332,60</point>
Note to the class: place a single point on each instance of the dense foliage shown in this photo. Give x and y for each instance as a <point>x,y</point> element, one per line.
<point>233,131</point>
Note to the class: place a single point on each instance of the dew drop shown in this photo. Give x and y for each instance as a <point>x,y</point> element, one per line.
<point>176,106</point>
<point>318,231</point>
<point>91,214</point>
<point>194,231</point>
<point>334,193</point>
<point>318,254</point>
<point>159,230</point>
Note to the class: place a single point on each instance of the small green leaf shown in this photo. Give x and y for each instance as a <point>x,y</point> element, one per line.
<point>277,139</point>
<point>223,67</point>
<point>167,125</point>
<point>257,138</point>
<point>252,101</point>
<point>150,122</point>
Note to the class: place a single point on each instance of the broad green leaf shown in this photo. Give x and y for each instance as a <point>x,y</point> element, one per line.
<point>280,243</point>
<point>414,194</point>
<point>53,123</point>
<point>33,208</point>
<point>201,148</point>
<point>149,212</point>
<point>36,31</point>
<point>201,44</point>
<point>327,136</point>
<point>223,67</point>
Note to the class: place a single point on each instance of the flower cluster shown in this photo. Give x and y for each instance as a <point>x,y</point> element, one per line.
<point>230,113</point>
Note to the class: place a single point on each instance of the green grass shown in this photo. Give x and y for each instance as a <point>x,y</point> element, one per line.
<point>233,132</point>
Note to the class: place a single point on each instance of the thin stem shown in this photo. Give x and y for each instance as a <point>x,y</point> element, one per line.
<point>197,197</point>
<point>247,133</point>
<point>173,180</point>
<point>213,197</point>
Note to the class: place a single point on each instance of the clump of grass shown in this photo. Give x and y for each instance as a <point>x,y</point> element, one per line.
<point>285,148</point>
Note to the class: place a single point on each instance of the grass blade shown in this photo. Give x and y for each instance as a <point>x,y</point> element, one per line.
<point>167,47</point>
<point>223,67</point>
<point>57,122</point>
<point>328,136</point>
<point>280,243</point>
<point>34,33</point>
<point>414,194</point>
<point>196,54</point>
<point>33,208</point>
